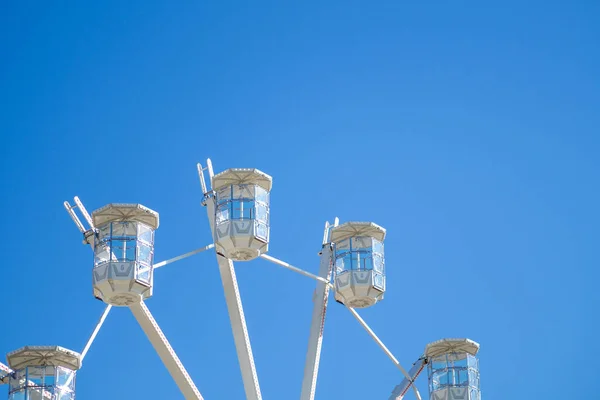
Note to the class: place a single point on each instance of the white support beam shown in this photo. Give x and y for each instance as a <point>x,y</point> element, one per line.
<point>315,341</point>
<point>165,351</point>
<point>400,390</point>
<point>384,348</point>
<point>95,332</point>
<point>92,338</point>
<point>181,257</point>
<point>234,305</point>
<point>296,269</point>
<point>238,326</point>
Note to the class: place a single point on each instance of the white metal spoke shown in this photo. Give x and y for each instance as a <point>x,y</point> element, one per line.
<point>400,390</point>
<point>96,330</point>
<point>240,331</point>
<point>384,348</point>
<point>237,202</point>
<point>181,257</point>
<point>92,338</point>
<point>165,351</point>
<point>315,341</point>
<point>296,269</point>
<point>234,307</point>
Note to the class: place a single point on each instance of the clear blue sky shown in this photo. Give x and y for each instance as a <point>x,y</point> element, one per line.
<point>469,130</point>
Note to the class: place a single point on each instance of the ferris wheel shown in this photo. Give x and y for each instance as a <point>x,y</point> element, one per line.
<point>237,202</point>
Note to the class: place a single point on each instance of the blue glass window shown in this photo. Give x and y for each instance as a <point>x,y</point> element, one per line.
<point>242,202</point>
<point>20,395</point>
<point>261,195</point>
<point>379,281</point>
<point>144,275</point>
<point>145,234</point>
<point>144,254</point>
<point>29,382</point>
<point>242,209</point>
<point>262,212</point>
<point>359,253</point>
<point>262,231</point>
<point>123,242</point>
<point>453,370</point>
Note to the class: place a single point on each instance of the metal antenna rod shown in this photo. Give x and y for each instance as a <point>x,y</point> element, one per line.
<point>201,176</point>
<point>74,217</point>
<point>181,257</point>
<point>84,212</point>
<point>384,348</point>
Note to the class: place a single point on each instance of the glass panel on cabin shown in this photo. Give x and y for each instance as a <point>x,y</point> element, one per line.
<point>438,362</point>
<point>262,213</point>
<point>262,231</point>
<point>144,254</point>
<point>223,195</point>
<point>243,191</point>
<point>143,275</point>
<point>101,253</point>
<point>222,213</point>
<point>261,195</point>
<point>377,247</point>
<point>123,250</point>
<point>124,229</point>
<point>104,232</point>
<point>145,233</point>
<point>379,281</point>
<point>66,378</point>
<point>35,376</point>
<point>378,263</point>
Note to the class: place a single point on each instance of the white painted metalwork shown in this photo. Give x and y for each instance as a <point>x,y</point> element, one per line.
<point>237,206</point>
<point>181,257</point>
<point>345,231</point>
<point>123,253</point>
<point>38,372</point>
<point>95,332</point>
<point>88,234</point>
<point>296,269</point>
<point>241,222</point>
<point>143,221</point>
<point>383,347</point>
<point>4,372</point>
<point>400,390</point>
<point>453,369</point>
<point>165,351</point>
<point>5,375</point>
<point>359,263</point>
<point>84,212</point>
<point>233,300</point>
<point>317,326</point>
